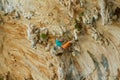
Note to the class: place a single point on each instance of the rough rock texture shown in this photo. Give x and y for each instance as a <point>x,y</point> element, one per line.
<point>95,24</point>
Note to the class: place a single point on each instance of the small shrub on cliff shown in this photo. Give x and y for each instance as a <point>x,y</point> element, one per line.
<point>44,36</point>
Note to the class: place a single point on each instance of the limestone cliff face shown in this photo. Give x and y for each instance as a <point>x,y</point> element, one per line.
<point>95,24</point>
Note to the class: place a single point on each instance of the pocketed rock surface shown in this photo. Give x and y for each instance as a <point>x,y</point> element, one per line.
<point>94,56</point>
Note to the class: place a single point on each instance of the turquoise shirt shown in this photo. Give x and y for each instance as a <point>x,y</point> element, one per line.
<point>58,43</point>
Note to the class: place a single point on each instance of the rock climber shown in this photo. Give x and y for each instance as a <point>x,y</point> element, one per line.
<point>65,45</point>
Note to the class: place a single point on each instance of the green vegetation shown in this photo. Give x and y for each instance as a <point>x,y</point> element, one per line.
<point>1,78</point>
<point>78,25</point>
<point>81,14</point>
<point>44,36</point>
